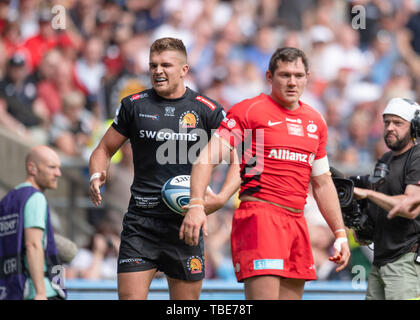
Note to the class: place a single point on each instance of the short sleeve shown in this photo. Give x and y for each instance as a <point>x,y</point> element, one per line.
<point>123,118</point>
<point>214,113</point>
<point>35,211</point>
<point>232,127</point>
<point>216,117</point>
<point>323,137</point>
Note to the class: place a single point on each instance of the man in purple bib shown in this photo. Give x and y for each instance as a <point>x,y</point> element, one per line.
<point>30,267</point>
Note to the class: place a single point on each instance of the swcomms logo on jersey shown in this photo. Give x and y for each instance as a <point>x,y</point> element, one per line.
<point>176,149</point>
<point>284,154</point>
<point>169,135</point>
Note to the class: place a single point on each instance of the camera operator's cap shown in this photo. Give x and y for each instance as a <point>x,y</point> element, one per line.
<point>404,108</point>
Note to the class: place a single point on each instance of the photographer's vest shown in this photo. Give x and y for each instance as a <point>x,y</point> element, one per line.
<point>13,273</point>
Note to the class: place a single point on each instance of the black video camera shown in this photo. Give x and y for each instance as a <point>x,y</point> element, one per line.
<point>354,211</point>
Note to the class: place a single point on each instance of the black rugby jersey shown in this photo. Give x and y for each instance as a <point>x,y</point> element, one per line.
<point>166,136</point>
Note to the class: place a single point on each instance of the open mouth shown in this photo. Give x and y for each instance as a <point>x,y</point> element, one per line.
<point>160,80</point>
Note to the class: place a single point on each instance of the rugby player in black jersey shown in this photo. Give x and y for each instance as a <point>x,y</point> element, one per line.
<point>167,126</point>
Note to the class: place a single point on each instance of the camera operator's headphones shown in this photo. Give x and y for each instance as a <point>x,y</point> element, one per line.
<point>415,122</point>
<point>415,125</point>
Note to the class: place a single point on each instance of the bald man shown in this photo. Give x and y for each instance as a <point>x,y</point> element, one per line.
<point>26,232</point>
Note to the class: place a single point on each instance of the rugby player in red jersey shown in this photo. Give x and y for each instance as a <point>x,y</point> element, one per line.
<point>283,142</point>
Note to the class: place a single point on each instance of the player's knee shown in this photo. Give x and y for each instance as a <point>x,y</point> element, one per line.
<point>127,294</point>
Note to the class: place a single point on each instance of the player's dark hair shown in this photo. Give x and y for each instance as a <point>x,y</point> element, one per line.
<point>164,44</point>
<point>287,54</point>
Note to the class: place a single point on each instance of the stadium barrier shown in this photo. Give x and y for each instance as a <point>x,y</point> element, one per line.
<point>79,289</point>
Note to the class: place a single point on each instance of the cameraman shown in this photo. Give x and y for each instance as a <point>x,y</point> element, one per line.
<point>395,274</point>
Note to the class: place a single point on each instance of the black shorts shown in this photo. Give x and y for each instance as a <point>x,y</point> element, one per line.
<point>150,242</point>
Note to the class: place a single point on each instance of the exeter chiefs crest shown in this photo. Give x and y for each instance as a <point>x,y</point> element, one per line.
<point>195,264</point>
<point>189,119</point>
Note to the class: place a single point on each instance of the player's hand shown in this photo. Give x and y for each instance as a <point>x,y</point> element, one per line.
<point>212,201</point>
<point>94,189</point>
<point>194,220</point>
<point>341,253</point>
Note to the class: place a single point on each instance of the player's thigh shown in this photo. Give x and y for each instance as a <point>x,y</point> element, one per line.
<point>264,287</point>
<point>291,289</point>
<point>184,289</point>
<point>135,285</point>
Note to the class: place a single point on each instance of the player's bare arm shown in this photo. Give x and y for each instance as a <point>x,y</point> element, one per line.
<point>326,197</point>
<point>213,201</point>
<point>100,160</point>
<point>195,217</point>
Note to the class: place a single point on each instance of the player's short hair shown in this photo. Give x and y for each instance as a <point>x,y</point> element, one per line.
<point>164,44</point>
<point>287,54</point>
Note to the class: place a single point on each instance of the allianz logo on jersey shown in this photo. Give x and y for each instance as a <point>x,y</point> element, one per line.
<point>284,154</point>
<point>165,135</point>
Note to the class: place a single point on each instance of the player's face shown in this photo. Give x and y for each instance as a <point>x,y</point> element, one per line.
<point>167,72</point>
<point>396,132</point>
<point>288,82</point>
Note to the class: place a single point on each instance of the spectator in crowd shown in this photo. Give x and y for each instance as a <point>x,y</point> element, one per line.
<point>58,81</point>
<point>99,259</point>
<point>89,69</point>
<point>19,98</point>
<point>71,128</point>
<point>259,53</point>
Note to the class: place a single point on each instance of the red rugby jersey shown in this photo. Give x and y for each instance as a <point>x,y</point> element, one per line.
<point>277,148</point>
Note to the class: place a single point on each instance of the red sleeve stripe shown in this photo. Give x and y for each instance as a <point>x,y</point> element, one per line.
<point>206,102</point>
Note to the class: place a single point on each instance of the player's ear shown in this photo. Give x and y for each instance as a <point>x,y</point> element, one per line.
<point>269,76</point>
<point>185,69</point>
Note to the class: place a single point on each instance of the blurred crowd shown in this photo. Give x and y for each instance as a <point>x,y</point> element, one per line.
<point>61,82</point>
